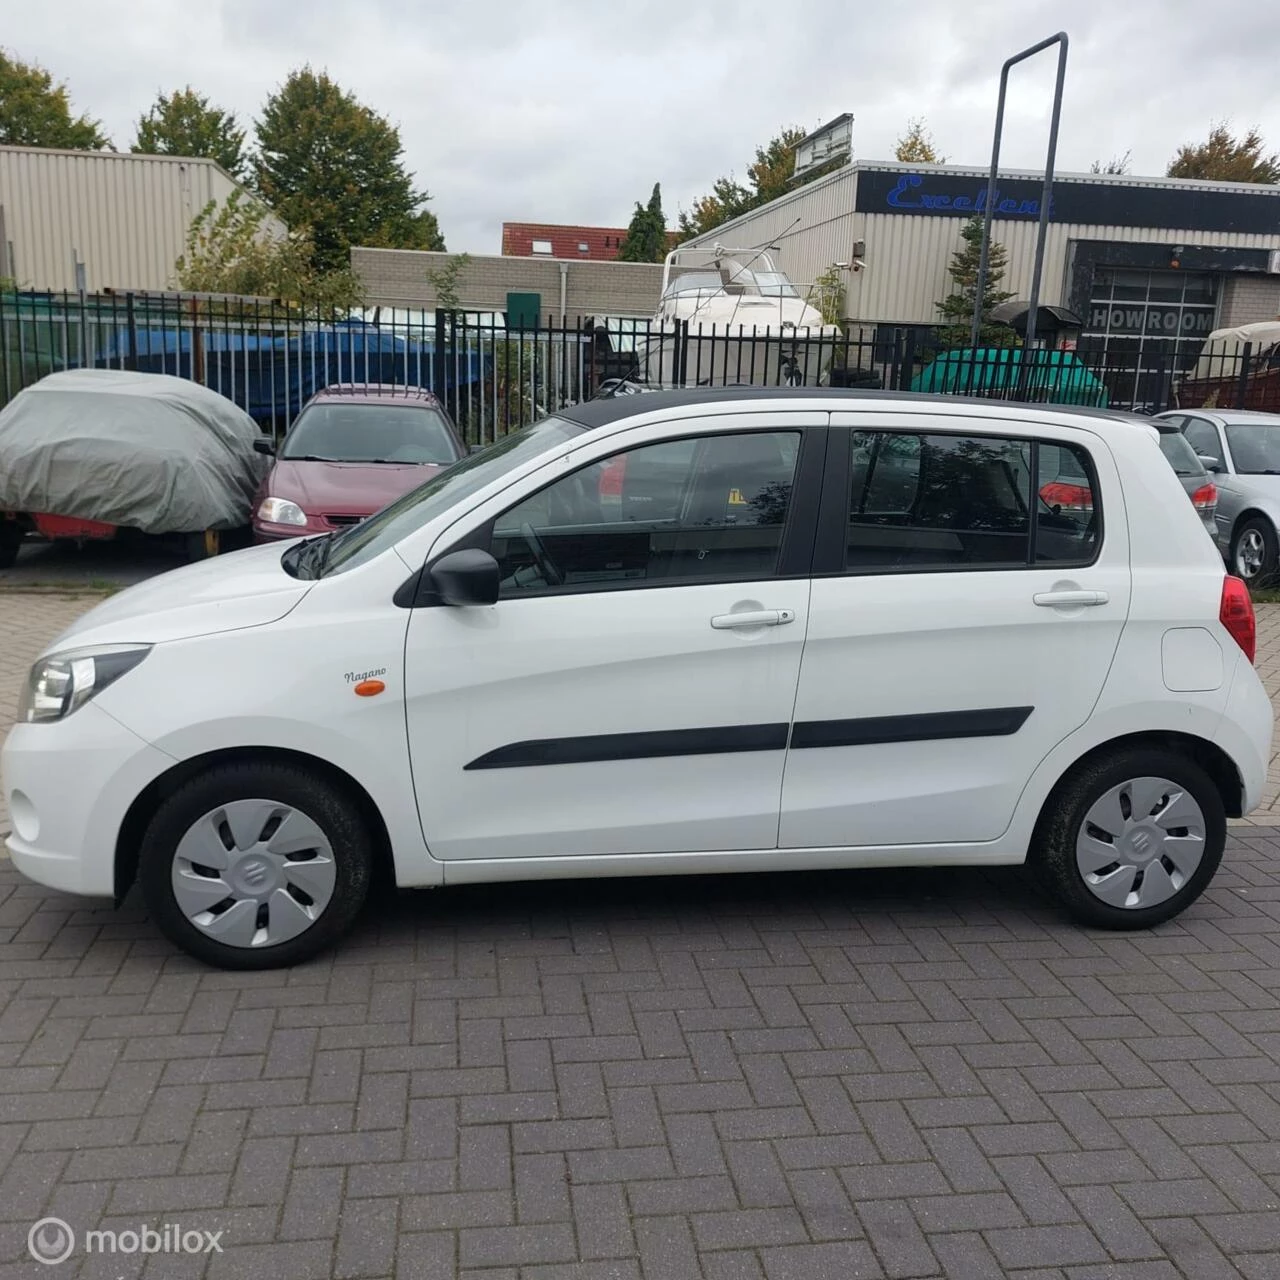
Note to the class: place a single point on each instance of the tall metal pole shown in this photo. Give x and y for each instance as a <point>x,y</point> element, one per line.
<point>1046,195</point>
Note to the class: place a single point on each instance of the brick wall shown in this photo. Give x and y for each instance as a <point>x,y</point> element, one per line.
<point>1247,299</point>
<point>398,278</point>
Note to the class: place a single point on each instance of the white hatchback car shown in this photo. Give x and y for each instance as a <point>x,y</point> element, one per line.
<point>681,632</point>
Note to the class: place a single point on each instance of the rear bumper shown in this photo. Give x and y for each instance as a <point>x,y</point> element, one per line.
<point>1245,733</point>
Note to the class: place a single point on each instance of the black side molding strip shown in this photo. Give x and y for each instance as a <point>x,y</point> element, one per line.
<point>993,722</point>
<point>635,746</point>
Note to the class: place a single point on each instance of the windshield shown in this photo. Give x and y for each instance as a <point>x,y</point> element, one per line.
<point>366,431</point>
<point>363,541</point>
<point>775,285</point>
<point>696,282</point>
<point>1255,447</point>
<point>1182,457</point>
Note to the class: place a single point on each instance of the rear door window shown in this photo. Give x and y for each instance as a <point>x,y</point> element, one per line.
<point>922,503</point>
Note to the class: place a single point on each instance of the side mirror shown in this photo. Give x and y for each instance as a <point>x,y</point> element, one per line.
<point>1210,463</point>
<point>263,445</point>
<point>467,577</point>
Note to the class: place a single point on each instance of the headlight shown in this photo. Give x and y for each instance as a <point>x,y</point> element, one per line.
<point>62,682</point>
<point>281,511</point>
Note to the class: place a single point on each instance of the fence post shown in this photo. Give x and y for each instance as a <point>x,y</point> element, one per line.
<point>907,372</point>
<point>438,365</point>
<point>132,323</point>
<point>1164,382</point>
<point>1242,382</point>
<point>681,353</point>
<point>895,361</point>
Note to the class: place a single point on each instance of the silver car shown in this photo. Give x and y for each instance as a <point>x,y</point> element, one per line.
<point>1242,450</point>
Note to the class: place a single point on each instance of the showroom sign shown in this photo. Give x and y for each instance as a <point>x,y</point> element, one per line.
<point>1150,319</point>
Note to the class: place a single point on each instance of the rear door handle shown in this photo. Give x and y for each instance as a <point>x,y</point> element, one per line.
<point>1060,599</point>
<point>753,618</point>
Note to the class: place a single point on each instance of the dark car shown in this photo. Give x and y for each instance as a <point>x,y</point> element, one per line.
<point>353,449</point>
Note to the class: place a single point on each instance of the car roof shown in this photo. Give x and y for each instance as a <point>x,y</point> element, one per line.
<point>366,392</point>
<point>600,413</point>
<point>1230,415</point>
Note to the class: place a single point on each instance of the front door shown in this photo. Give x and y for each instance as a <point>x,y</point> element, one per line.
<point>631,691</point>
<point>969,594</point>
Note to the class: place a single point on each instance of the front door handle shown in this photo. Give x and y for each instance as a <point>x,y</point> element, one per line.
<point>753,618</point>
<point>1069,599</point>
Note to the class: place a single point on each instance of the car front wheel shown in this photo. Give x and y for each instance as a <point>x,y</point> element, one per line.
<point>1129,840</point>
<point>1255,552</point>
<point>255,865</point>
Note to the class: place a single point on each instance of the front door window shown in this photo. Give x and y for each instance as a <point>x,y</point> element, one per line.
<point>706,509</point>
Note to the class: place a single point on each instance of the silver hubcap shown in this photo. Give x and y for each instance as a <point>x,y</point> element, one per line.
<point>1140,843</point>
<point>253,873</point>
<point>1251,550</point>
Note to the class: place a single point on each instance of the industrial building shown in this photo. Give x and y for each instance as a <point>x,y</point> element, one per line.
<point>94,220</point>
<point>1149,265</point>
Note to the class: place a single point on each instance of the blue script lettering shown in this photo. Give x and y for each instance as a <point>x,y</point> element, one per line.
<point>905,194</point>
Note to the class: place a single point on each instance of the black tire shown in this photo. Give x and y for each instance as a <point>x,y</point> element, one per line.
<point>1053,850</point>
<point>10,543</point>
<point>328,808</point>
<point>1253,533</point>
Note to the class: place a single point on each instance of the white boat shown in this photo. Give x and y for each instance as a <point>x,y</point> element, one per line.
<point>731,316</point>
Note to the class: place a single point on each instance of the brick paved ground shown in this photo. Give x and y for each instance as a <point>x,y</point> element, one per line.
<point>918,1074</point>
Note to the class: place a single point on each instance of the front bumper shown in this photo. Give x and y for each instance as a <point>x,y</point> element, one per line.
<point>265,532</point>
<point>68,786</point>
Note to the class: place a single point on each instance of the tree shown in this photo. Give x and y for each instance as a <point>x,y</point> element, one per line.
<point>646,238</point>
<point>445,278</point>
<point>916,145</point>
<point>956,310</point>
<point>230,249</point>
<point>327,162</point>
<point>1117,164</point>
<point>771,174</point>
<point>1225,158</point>
<point>35,112</point>
<point>184,123</point>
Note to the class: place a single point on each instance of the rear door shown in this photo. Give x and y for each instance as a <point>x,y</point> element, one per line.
<point>971,583</point>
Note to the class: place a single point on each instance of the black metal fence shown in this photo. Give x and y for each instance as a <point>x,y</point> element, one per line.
<point>270,358</point>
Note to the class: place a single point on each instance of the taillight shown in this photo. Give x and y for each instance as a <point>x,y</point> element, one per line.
<point>1067,497</point>
<point>1236,614</point>
<point>1205,496</point>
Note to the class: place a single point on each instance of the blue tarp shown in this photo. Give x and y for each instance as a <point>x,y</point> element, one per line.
<point>271,376</point>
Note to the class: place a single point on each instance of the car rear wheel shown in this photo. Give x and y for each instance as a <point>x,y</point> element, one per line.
<point>1129,840</point>
<point>1255,552</point>
<point>255,866</point>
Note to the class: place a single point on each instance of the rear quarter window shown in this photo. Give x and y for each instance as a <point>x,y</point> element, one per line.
<point>1180,455</point>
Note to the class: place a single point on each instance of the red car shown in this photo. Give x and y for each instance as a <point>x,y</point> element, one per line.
<point>353,449</point>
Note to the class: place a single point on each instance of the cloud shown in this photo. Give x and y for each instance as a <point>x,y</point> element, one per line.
<point>570,110</point>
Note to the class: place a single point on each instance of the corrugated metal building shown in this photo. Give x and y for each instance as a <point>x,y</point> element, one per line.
<point>1142,261</point>
<point>123,218</point>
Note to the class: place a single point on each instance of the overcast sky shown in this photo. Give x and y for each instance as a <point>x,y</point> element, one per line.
<point>570,110</point>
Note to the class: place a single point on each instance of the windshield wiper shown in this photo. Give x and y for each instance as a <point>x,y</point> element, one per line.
<point>308,559</point>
